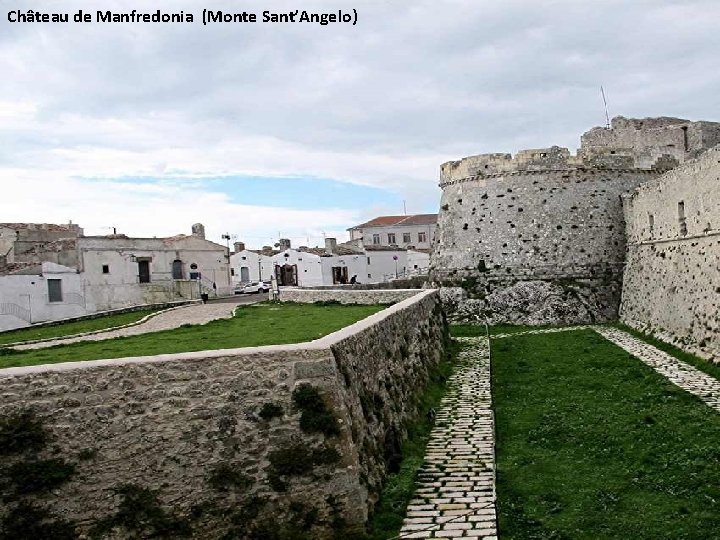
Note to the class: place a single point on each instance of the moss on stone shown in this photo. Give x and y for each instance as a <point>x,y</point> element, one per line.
<point>140,515</point>
<point>270,410</point>
<point>37,476</point>
<point>29,522</point>
<point>21,432</point>
<point>315,416</point>
<point>225,476</point>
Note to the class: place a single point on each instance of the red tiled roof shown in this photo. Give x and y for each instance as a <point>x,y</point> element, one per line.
<point>387,221</point>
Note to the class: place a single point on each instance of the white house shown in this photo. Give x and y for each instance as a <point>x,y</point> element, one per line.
<point>40,292</point>
<point>250,265</point>
<point>338,264</point>
<point>119,271</point>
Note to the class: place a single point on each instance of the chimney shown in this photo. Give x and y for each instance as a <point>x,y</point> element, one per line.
<point>239,246</point>
<point>330,246</point>
<point>284,244</point>
<point>198,229</point>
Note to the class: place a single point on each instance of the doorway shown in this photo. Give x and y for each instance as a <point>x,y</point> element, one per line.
<point>244,274</point>
<point>286,274</point>
<point>144,271</point>
<point>340,274</point>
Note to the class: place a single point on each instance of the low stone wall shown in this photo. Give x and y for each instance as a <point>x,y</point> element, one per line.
<point>231,443</point>
<point>413,282</point>
<point>347,296</point>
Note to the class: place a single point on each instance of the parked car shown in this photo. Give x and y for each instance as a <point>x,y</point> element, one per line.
<point>252,287</point>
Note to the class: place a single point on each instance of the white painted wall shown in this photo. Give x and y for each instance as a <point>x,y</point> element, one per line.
<point>382,265</point>
<point>24,298</point>
<point>368,232</point>
<point>120,287</point>
<point>260,267</point>
<point>309,267</point>
<point>417,262</point>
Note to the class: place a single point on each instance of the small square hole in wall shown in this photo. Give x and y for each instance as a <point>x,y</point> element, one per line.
<point>106,268</point>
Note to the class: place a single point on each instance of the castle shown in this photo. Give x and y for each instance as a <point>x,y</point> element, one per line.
<point>541,237</point>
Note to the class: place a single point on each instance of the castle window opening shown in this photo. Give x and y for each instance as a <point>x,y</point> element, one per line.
<point>685,138</point>
<point>105,268</point>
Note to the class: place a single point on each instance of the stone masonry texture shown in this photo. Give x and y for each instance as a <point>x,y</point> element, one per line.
<point>346,296</point>
<point>548,216</point>
<point>168,422</point>
<point>672,276</point>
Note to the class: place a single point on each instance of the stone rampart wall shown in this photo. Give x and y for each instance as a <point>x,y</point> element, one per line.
<point>347,296</point>
<point>672,277</point>
<point>224,440</point>
<point>558,226</point>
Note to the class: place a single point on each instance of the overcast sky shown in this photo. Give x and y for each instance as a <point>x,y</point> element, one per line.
<point>301,130</point>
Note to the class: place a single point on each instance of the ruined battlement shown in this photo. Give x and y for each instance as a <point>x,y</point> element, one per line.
<point>648,144</point>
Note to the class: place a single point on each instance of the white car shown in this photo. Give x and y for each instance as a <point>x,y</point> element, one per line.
<point>253,287</point>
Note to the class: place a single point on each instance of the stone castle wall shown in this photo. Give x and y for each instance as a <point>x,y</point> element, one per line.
<point>543,232</point>
<point>218,436</point>
<point>672,276</point>
<point>346,295</point>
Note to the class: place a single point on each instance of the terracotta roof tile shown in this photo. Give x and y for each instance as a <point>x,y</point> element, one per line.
<point>387,221</point>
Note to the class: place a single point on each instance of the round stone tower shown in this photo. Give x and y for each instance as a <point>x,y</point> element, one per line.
<point>539,238</point>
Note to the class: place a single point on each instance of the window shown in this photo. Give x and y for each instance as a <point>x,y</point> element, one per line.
<point>369,276</point>
<point>651,222</point>
<point>422,237</point>
<point>232,271</point>
<point>54,290</point>
<point>106,268</point>
<point>681,218</point>
<point>368,260</point>
<point>376,239</point>
<point>144,271</point>
<point>391,238</point>
<point>177,269</point>
<point>406,238</point>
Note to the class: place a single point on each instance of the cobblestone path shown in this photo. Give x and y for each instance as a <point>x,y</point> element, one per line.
<point>540,331</point>
<point>683,375</point>
<point>455,496</point>
<point>172,318</point>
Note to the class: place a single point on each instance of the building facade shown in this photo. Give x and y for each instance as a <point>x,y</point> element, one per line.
<point>409,232</point>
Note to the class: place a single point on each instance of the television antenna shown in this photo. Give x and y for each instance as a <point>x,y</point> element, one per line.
<point>607,115</point>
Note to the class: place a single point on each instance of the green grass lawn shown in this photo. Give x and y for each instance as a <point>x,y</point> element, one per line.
<point>71,328</point>
<point>460,330</point>
<point>258,324</point>
<point>594,444</point>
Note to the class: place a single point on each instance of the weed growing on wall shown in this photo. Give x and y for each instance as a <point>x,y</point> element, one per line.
<point>25,475</point>
<point>315,416</point>
<point>140,515</point>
